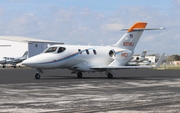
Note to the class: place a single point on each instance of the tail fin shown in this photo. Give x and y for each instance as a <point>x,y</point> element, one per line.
<point>25,55</point>
<point>143,54</point>
<point>131,38</point>
<point>159,61</point>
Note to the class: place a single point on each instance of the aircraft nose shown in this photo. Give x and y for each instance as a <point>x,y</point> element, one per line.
<point>30,62</point>
<point>25,62</point>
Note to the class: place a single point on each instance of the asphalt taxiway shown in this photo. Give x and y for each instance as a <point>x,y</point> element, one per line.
<point>58,91</point>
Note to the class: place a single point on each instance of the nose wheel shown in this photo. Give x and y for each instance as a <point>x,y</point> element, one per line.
<point>37,76</point>
<point>79,74</point>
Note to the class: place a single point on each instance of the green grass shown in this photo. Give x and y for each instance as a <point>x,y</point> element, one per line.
<point>170,67</point>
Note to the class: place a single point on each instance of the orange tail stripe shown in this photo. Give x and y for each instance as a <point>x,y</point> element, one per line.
<point>138,25</point>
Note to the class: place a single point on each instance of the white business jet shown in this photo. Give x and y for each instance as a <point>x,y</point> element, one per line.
<point>13,60</point>
<point>139,60</point>
<point>81,59</point>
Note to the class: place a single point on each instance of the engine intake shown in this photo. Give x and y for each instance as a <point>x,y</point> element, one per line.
<point>112,53</point>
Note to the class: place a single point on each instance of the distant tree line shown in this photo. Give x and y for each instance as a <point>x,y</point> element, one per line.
<point>174,58</point>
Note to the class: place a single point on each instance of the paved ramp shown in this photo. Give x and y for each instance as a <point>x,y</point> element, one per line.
<point>158,93</point>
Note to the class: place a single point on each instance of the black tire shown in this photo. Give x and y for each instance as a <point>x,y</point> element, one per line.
<point>110,76</point>
<point>37,76</point>
<point>79,74</point>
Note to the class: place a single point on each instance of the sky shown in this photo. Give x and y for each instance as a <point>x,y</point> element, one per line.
<point>94,22</point>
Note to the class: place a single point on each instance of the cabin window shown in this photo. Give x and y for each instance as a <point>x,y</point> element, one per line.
<point>51,49</point>
<point>87,51</point>
<point>11,58</point>
<point>79,50</point>
<point>61,49</point>
<point>94,51</point>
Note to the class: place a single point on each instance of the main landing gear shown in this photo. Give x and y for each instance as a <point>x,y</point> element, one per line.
<point>109,74</point>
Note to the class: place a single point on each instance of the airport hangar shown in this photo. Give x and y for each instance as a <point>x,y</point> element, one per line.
<point>15,46</point>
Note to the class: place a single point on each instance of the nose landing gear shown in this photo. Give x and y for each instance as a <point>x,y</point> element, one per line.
<point>79,74</point>
<point>37,75</point>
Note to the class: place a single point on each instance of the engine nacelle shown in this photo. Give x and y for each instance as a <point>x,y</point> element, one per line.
<point>121,57</point>
<point>139,59</point>
<point>120,54</point>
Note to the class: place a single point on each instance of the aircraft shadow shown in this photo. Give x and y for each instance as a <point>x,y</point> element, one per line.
<point>55,77</point>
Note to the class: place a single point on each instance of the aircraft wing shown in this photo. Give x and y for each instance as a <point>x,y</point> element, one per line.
<point>130,67</point>
<point>121,67</point>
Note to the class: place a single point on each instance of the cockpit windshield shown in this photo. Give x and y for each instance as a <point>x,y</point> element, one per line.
<point>61,49</point>
<point>51,49</point>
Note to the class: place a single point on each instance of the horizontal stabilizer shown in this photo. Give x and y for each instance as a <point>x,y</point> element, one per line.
<point>140,29</point>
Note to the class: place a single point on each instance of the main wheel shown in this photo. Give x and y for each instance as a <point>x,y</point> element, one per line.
<point>79,74</point>
<point>110,75</point>
<point>37,76</point>
<point>3,66</point>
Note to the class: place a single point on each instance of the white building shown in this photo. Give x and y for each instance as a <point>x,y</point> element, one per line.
<point>151,58</point>
<point>15,46</point>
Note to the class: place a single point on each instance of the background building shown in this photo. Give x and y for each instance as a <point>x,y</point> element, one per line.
<point>15,46</point>
<point>151,58</point>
